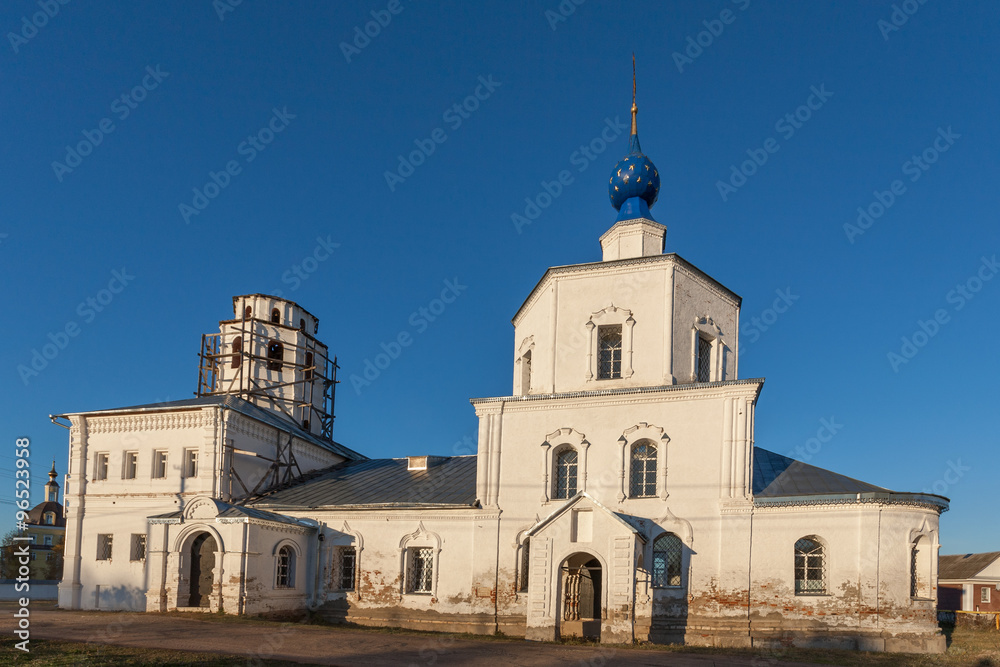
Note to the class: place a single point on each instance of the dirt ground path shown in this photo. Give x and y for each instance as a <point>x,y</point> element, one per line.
<point>340,646</point>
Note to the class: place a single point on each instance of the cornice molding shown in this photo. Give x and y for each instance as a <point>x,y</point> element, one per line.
<point>159,421</point>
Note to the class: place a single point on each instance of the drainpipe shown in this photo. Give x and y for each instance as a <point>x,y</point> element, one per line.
<point>317,579</point>
<point>243,573</point>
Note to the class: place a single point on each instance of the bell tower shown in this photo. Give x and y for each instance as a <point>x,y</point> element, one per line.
<point>268,354</point>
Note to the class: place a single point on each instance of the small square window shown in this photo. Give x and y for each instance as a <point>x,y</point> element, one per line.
<point>138,547</point>
<point>131,465</point>
<point>190,462</point>
<point>104,546</point>
<point>159,464</point>
<point>101,465</point>
<point>47,540</point>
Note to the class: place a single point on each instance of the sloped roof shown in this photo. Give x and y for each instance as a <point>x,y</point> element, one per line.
<point>624,519</point>
<point>228,511</point>
<point>246,408</point>
<point>776,475</point>
<point>965,566</point>
<point>449,481</point>
<point>36,516</point>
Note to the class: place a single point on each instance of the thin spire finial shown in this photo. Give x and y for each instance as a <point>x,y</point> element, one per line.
<point>635,109</point>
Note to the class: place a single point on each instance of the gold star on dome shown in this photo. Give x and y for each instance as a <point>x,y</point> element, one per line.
<point>638,180</point>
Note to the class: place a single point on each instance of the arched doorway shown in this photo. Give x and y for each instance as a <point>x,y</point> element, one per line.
<point>582,584</point>
<point>203,550</point>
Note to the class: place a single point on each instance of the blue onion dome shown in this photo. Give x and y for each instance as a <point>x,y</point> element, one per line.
<point>634,177</point>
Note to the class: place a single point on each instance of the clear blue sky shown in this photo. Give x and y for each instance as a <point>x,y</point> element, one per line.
<point>887,95</point>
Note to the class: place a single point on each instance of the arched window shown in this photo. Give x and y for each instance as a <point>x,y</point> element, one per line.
<point>642,481</point>
<point>609,350</point>
<point>275,316</point>
<point>247,313</point>
<point>525,565</point>
<point>309,363</point>
<point>703,362</point>
<point>285,568</point>
<point>566,469</point>
<point>275,355</point>
<point>810,566</point>
<point>667,550</point>
<point>237,352</point>
<point>302,325</point>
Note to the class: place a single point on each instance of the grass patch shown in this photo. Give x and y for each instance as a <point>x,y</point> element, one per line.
<point>47,652</point>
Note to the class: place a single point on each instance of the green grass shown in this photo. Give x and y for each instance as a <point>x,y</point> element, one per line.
<point>46,652</point>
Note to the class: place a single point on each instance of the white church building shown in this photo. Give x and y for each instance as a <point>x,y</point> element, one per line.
<point>616,493</point>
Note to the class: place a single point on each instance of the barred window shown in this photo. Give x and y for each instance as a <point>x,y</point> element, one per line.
<point>914,586</point>
<point>703,364</point>
<point>104,546</point>
<point>566,468</point>
<point>420,570</point>
<point>522,584</point>
<point>285,573</point>
<point>138,547</point>
<point>609,349</point>
<point>810,566</point>
<point>667,550</point>
<point>347,568</point>
<point>642,482</point>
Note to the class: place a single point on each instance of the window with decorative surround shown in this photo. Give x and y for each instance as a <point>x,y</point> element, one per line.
<point>419,570</point>
<point>642,470</point>
<point>667,559</point>
<point>610,353</point>
<point>703,362</point>
<point>810,566</point>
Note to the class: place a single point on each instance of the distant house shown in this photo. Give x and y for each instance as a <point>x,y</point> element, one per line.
<point>969,582</point>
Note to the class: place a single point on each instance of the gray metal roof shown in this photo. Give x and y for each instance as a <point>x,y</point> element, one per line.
<point>965,566</point>
<point>447,481</point>
<point>244,407</point>
<point>228,511</point>
<point>775,475</point>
